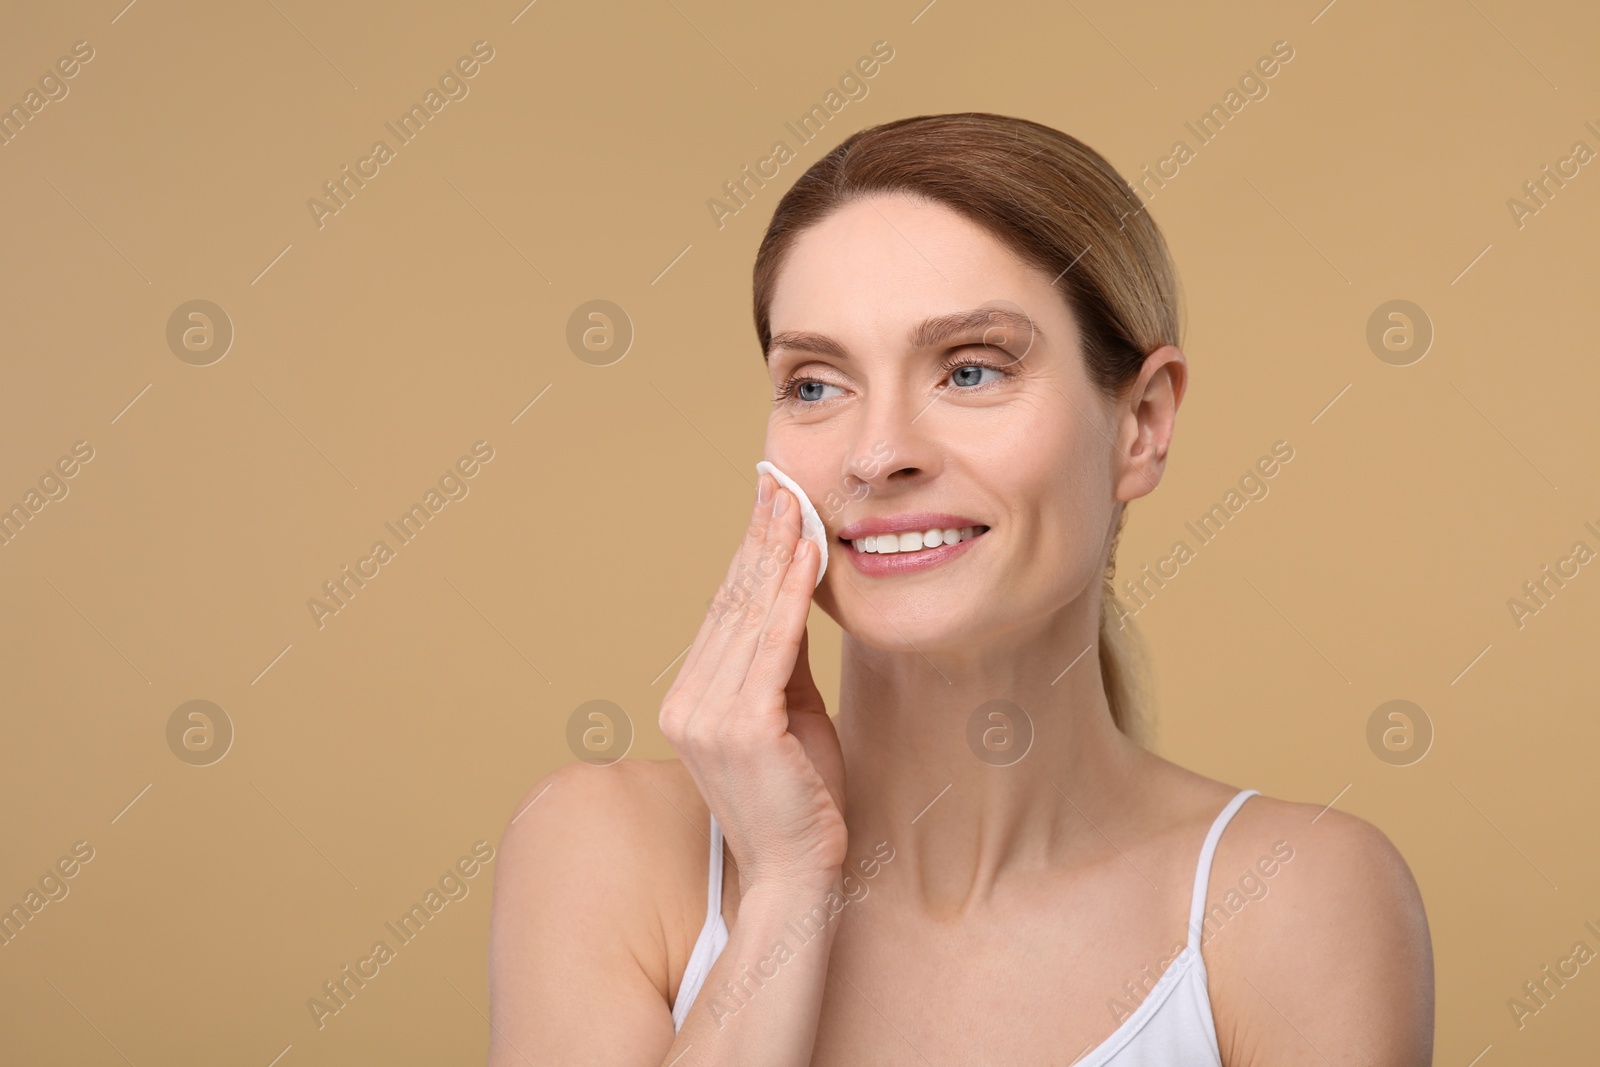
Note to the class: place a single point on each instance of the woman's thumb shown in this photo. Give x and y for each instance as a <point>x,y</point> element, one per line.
<point>802,687</point>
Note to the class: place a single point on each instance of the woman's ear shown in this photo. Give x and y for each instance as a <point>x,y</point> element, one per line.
<point>1147,420</point>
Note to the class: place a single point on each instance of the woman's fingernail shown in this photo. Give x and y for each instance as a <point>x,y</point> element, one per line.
<point>780,505</point>
<point>761,488</point>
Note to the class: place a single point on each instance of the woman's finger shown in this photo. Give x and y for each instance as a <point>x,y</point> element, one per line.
<point>777,560</point>
<point>800,684</point>
<point>723,660</point>
<point>778,647</point>
<point>731,595</point>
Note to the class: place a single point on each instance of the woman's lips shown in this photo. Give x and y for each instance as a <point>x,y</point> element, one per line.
<point>912,520</point>
<point>887,564</point>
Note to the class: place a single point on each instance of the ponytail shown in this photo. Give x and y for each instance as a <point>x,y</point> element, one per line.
<point>1123,657</point>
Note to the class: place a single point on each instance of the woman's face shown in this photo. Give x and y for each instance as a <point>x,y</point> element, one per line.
<point>887,415</point>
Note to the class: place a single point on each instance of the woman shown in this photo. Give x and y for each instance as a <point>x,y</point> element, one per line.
<point>971,325</point>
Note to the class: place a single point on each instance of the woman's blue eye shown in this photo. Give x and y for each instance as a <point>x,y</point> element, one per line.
<point>803,391</point>
<point>962,377</point>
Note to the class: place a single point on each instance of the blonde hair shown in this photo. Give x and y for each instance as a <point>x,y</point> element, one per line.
<point>1060,206</point>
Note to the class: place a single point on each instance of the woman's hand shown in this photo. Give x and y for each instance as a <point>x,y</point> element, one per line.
<point>745,716</point>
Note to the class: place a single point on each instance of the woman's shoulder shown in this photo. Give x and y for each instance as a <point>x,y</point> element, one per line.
<point>1311,914</point>
<point>1338,859</point>
<point>627,824</point>
<point>633,800</point>
<point>1315,859</point>
<point>1347,850</point>
<point>620,848</point>
<point>625,781</point>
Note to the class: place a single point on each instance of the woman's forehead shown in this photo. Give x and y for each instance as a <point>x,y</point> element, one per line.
<point>877,269</point>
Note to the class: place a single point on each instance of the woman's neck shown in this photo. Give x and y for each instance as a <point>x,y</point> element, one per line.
<point>939,762</point>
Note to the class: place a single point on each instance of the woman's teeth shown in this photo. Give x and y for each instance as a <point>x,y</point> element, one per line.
<point>914,541</point>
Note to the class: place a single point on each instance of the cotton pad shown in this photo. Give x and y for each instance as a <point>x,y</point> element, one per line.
<point>810,522</point>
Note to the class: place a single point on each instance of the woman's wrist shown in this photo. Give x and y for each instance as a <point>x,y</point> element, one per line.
<point>796,912</point>
<point>795,896</point>
<point>794,888</point>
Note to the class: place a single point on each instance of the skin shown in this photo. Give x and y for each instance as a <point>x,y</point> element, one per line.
<point>1019,899</point>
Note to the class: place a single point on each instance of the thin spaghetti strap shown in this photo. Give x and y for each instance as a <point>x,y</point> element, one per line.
<point>1202,874</point>
<point>714,886</point>
<point>713,936</point>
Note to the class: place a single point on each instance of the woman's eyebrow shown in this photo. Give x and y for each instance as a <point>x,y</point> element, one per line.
<point>928,333</point>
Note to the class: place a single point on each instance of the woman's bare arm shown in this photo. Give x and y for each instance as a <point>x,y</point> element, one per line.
<point>574,934</point>
<point>760,1003</point>
<point>577,967</point>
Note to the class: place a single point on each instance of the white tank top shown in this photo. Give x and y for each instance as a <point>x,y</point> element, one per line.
<point>1171,1027</point>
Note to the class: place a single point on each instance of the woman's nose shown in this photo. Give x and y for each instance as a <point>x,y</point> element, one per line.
<point>892,444</point>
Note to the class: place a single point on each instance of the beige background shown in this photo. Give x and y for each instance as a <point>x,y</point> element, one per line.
<point>427,314</point>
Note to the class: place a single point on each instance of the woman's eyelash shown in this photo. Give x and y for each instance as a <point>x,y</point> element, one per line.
<point>955,363</point>
<point>787,389</point>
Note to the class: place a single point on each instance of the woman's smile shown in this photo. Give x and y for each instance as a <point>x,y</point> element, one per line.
<point>905,543</point>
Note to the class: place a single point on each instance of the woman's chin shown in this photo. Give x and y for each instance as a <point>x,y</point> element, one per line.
<point>913,632</point>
